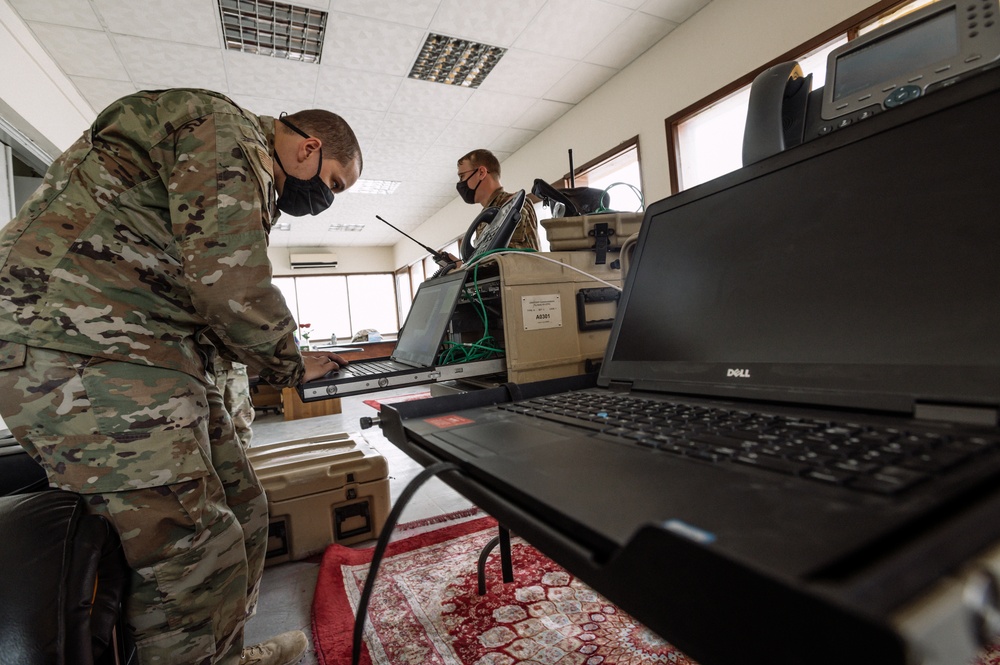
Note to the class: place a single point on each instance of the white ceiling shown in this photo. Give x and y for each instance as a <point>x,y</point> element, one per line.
<point>559,51</point>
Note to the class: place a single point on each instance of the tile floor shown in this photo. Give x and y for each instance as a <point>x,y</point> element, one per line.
<point>287,588</point>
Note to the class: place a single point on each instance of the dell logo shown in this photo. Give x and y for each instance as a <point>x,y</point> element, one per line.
<point>740,373</point>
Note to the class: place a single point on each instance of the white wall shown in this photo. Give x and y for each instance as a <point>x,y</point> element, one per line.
<point>35,97</point>
<point>349,260</point>
<point>721,43</point>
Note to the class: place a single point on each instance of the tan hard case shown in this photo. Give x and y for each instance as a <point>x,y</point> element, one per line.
<point>321,490</point>
<point>585,308</point>
<point>581,232</point>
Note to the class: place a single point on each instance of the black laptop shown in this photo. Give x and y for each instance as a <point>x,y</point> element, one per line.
<point>791,453</point>
<point>414,358</point>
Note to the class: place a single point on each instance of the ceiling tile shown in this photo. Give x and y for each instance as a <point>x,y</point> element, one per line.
<point>541,114</point>
<point>630,40</point>
<point>512,140</point>
<point>497,23</point>
<point>526,73</point>
<point>263,76</point>
<point>270,106</point>
<point>405,154</point>
<point>468,135</point>
<point>357,89</point>
<point>101,92</point>
<point>441,156</point>
<point>494,108</point>
<point>386,169</point>
<point>61,12</point>
<point>583,80</point>
<point>163,65</point>
<point>631,4</point>
<point>417,13</point>
<point>446,191</point>
<point>431,100</point>
<point>571,28</point>
<point>364,123</point>
<point>81,52</point>
<point>444,174</point>
<point>185,21</point>
<point>363,43</point>
<point>411,129</point>
<point>677,11</point>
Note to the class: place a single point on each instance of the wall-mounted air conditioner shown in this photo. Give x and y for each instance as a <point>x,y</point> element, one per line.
<point>313,260</point>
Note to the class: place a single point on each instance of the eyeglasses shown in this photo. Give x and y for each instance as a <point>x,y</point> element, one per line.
<point>464,176</point>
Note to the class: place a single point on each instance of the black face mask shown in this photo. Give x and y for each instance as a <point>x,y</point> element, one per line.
<point>303,197</point>
<point>467,193</point>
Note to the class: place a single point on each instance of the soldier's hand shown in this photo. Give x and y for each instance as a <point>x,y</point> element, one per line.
<point>321,363</point>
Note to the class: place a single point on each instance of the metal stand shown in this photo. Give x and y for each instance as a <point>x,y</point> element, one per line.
<point>506,567</point>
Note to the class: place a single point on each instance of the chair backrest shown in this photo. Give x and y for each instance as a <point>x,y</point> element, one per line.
<point>62,579</point>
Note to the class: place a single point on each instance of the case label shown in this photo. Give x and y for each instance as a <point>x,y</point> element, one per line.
<point>540,312</point>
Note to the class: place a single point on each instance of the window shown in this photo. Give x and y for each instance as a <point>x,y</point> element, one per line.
<point>415,275</point>
<point>404,294</point>
<point>705,140</point>
<point>341,305</point>
<point>617,171</point>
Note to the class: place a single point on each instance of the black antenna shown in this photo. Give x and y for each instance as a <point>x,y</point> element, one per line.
<point>572,176</point>
<point>440,258</point>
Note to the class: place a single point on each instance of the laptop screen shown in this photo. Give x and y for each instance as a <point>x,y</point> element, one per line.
<point>855,271</point>
<point>429,316</point>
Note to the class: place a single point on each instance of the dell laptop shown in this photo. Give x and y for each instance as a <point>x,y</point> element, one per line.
<point>792,444</point>
<point>414,358</point>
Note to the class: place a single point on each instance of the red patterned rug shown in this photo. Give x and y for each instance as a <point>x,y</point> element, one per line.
<point>425,609</point>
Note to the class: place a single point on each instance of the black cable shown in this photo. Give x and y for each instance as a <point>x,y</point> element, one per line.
<point>383,542</point>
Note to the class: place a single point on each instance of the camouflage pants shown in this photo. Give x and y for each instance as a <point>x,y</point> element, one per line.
<point>154,451</point>
<point>233,381</point>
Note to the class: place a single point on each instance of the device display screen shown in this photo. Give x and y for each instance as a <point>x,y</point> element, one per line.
<point>916,46</point>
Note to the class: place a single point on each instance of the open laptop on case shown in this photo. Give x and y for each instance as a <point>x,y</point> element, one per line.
<point>414,358</point>
<point>793,440</point>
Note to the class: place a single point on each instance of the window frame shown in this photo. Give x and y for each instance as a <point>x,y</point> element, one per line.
<point>601,160</point>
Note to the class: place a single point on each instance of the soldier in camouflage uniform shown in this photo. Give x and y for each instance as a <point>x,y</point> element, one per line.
<point>145,250</point>
<point>479,182</point>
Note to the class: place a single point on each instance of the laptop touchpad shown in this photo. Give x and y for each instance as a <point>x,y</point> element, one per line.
<point>498,438</point>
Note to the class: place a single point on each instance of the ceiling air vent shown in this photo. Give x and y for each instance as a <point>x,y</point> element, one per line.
<point>299,261</point>
<point>273,28</point>
<point>455,61</point>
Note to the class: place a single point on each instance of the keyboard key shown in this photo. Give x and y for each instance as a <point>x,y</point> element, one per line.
<point>772,463</point>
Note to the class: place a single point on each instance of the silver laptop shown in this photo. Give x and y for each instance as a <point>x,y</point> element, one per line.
<point>414,358</point>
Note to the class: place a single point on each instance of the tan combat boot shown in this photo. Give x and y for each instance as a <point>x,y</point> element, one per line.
<point>284,649</point>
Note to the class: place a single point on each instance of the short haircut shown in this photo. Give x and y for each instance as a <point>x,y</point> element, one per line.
<point>482,157</point>
<point>337,136</point>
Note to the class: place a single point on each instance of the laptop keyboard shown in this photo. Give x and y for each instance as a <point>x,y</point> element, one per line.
<point>867,458</point>
<point>368,367</point>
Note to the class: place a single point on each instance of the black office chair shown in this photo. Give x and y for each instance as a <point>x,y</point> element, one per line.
<point>63,574</point>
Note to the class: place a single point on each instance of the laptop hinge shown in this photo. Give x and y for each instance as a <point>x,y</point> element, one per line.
<point>620,386</point>
<point>966,415</point>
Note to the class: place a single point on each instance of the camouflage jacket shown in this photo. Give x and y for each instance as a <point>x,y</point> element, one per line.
<point>147,242</point>
<point>526,233</point>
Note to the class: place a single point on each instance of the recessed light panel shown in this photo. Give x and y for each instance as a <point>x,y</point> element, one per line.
<point>455,61</point>
<point>346,227</point>
<point>273,28</point>
<point>364,186</point>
